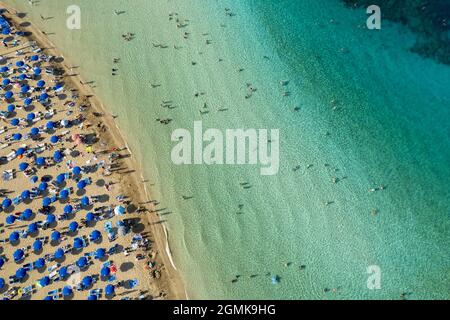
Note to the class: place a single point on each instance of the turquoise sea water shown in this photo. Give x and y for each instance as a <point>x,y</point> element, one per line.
<point>390,126</point>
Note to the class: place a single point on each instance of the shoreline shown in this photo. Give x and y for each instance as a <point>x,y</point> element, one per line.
<point>172,279</point>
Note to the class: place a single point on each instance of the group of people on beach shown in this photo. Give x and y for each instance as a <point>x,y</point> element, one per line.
<point>54,165</point>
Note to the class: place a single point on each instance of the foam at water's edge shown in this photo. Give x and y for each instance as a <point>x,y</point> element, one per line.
<point>169,253</point>
<point>166,233</point>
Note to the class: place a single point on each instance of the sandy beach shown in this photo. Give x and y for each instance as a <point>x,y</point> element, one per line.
<point>91,149</point>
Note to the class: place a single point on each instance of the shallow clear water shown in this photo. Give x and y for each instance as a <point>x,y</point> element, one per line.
<point>391,126</point>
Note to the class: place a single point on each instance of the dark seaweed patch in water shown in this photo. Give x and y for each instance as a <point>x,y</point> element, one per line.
<point>430,20</point>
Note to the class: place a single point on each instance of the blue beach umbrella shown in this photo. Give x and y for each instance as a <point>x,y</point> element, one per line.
<point>10,219</point>
<point>11,108</point>
<point>43,97</point>
<point>50,125</point>
<point>105,272</point>
<point>34,58</point>
<point>6,203</point>
<point>15,122</point>
<point>58,86</point>
<point>59,253</point>
<point>64,194</point>
<point>27,101</point>
<point>87,281</point>
<point>2,283</point>
<point>26,214</point>
<point>2,262</point>
<point>18,255</point>
<point>6,81</point>
<point>9,94</point>
<point>34,131</point>
<point>90,217</point>
<point>54,139</point>
<point>55,236</point>
<point>20,64</point>
<point>76,170</point>
<point>85,201</point>
<point>25,194</point>
<point>45,281</point>
<point>25,89</point>
<point>6,31</point>
<point>4,69</point>
<point>37,71</point>
<point>21,273</point>
<point>67,291</point>
<point>109,290</point>
<point>20,151</point>
<point>40,83</point>
<point>22,77</point>
<point>43,186</point>
<point>39,263</point>
<point>95,235</point>
<point>82,262</point>
<point>51,218</point>
<point>23,166</point>
<point>33,227</point>
<point>68,209</point>
<point>60,178</point>
<point>31,116</point>
<point>81,184</point>
<point>46,202</point>
<point>17,136</point>
<point>100,253</point>
<point>92,297</point>
<point>73,226</point>
<point>77,243</point>
<point>14,237</point>
<point>57,156</point>
<point>37,245</point>
<point>63,272</point>
<point>40,161</point>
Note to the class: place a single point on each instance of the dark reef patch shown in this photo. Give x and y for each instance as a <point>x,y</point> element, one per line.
<point>429,20</point>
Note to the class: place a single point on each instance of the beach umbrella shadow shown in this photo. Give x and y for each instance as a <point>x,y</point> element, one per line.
<point>69,297</point>
<point>126,266</point>
<point>29,108</point>
<point>27,201</point>
<point>42,270</point>
<point>61,260</point>
<point>47,178</point>
<point>131,208</point>
<point>100,183</point>
<point>34,234</point>
<point>5,288</point>
<point>138,228</point>
<point>10,209</point>
<point>98,241</point>
<point>25,279</point>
